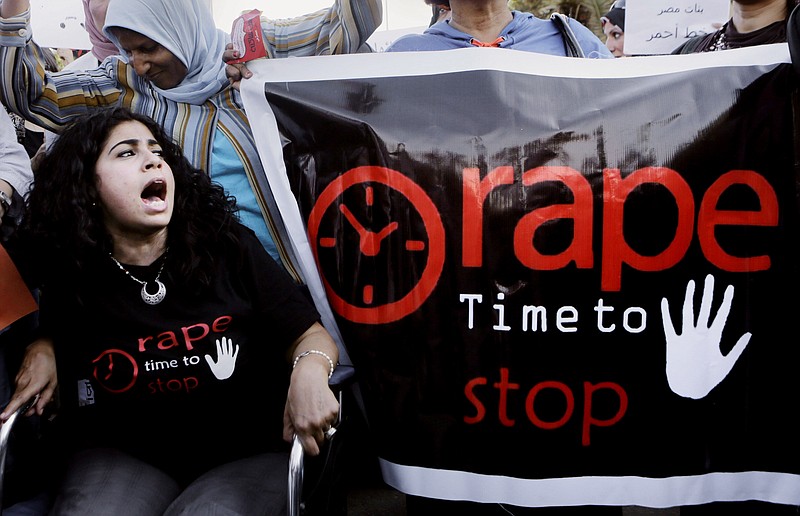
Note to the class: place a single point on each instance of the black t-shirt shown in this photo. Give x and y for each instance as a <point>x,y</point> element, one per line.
<point>727,37</point>
<point>159,381</point>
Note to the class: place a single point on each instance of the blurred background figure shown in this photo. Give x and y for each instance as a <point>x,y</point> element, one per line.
<point>16,175</point>
<point>94,19</point>
<point>492,23</point>
<point>30,135</point>
<point>441,12</point>
<point>613,23</point>
<point>752,22</point>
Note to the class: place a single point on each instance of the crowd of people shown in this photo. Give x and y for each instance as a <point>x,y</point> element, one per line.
<point>148,229</point>
<point>752,22</point>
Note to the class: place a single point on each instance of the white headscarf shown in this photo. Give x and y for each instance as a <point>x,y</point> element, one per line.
<point>184,27</point>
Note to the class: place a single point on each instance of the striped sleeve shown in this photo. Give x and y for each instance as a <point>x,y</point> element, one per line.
<point>341,29</point>
<point>48,99</point>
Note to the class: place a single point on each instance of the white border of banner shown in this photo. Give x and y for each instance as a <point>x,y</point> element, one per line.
<point>402,64</point>
<point>781,488</point>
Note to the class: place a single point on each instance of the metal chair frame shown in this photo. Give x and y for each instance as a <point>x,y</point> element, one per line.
<point>294,499</point>
<point>296,455</point>
<point>5,434</point>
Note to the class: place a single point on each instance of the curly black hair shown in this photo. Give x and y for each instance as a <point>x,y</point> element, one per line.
<point>64,218</point>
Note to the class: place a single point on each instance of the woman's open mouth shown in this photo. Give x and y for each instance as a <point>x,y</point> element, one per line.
<point>155,193</point>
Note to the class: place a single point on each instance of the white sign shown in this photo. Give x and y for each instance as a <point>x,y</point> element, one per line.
<point>59,24</point>
<point>661,26</point>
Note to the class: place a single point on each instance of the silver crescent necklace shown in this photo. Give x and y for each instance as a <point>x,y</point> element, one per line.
<point>161,292</point>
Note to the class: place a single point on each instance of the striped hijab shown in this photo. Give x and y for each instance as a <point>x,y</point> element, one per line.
<point>184,27</point>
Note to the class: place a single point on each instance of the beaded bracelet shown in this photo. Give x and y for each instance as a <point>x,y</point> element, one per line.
<point>314,352</point>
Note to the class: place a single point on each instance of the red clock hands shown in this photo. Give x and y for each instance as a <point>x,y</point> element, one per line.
<point>369,241</point>
<point>110,366</point>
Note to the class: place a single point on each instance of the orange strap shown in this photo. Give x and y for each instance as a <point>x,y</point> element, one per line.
<point>495,43</point>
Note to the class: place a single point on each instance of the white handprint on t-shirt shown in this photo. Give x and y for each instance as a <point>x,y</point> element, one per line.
<point>226,359</point>
<point>695,364</point>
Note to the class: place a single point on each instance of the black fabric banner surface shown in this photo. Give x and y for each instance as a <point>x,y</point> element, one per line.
<point>564,282</point>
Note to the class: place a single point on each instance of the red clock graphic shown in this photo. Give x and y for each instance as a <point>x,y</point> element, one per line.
<point>379,242</point>
<point>115,370</point>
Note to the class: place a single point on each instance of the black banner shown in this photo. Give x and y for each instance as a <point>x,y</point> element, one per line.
<point>560,281</point>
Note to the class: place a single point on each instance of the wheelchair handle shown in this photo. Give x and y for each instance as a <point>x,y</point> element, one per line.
<point>5,433</point>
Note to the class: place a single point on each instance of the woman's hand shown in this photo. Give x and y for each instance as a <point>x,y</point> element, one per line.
<point>311,407</point>
<point>37,375</point>
<point>234,71</point>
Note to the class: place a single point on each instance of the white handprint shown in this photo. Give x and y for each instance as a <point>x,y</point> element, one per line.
<point>695,364</point>
<point>226,359</point>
